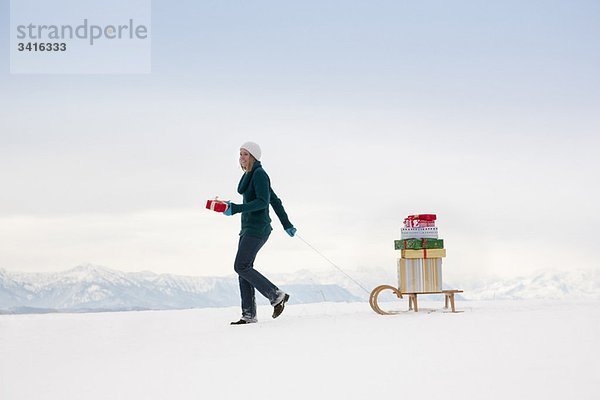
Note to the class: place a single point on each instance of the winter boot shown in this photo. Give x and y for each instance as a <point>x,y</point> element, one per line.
<point>244,321</point>
<point>278,308</point>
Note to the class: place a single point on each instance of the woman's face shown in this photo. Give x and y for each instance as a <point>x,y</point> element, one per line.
<point>244,158</point>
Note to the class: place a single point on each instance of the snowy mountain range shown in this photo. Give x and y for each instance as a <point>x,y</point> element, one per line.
<point>557,285</point>
<point>573,285</point>
<point>96,288</point>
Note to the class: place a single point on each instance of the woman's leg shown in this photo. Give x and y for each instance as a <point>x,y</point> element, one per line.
<point>249,277</point>
<point>248,299</point>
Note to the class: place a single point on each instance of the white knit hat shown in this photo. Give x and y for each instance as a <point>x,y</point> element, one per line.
<point>252,148</point>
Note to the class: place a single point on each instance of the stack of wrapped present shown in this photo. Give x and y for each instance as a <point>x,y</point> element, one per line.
<point>421,252</point>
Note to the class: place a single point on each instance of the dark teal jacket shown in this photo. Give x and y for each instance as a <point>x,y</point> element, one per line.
<point>255,186</point>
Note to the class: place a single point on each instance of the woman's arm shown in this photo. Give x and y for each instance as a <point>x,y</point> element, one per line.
<point>280,211</point>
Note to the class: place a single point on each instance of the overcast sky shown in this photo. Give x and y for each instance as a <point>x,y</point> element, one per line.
<point>485,113</point>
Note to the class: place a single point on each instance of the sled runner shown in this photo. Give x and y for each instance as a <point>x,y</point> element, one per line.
<point>412,298</point>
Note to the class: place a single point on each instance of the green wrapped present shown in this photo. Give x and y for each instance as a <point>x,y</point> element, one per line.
<point>418,244</point>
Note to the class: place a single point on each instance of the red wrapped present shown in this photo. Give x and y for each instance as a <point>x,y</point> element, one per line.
<point>216,205</point>
<point>420,221</point>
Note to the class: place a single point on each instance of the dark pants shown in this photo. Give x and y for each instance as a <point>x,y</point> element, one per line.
<point>250,278</point>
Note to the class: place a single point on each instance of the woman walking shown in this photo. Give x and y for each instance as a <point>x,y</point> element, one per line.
<point>255,187</point>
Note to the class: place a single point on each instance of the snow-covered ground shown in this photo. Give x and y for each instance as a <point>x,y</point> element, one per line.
<point>530,349</point>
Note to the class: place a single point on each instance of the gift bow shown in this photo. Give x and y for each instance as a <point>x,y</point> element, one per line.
<point>414,221</point>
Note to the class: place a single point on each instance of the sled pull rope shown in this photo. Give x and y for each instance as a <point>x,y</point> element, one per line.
<point>331,262</point>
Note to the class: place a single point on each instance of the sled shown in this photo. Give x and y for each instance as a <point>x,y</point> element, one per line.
<point>412,299</point>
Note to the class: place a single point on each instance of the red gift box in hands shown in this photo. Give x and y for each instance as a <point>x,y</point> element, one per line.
<point>216,205</point>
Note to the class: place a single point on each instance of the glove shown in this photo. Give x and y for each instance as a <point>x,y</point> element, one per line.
<point>229,210</point>
<point>291,231</point>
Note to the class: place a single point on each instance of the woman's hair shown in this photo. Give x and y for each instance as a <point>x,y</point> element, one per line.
<point>251,161</point>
